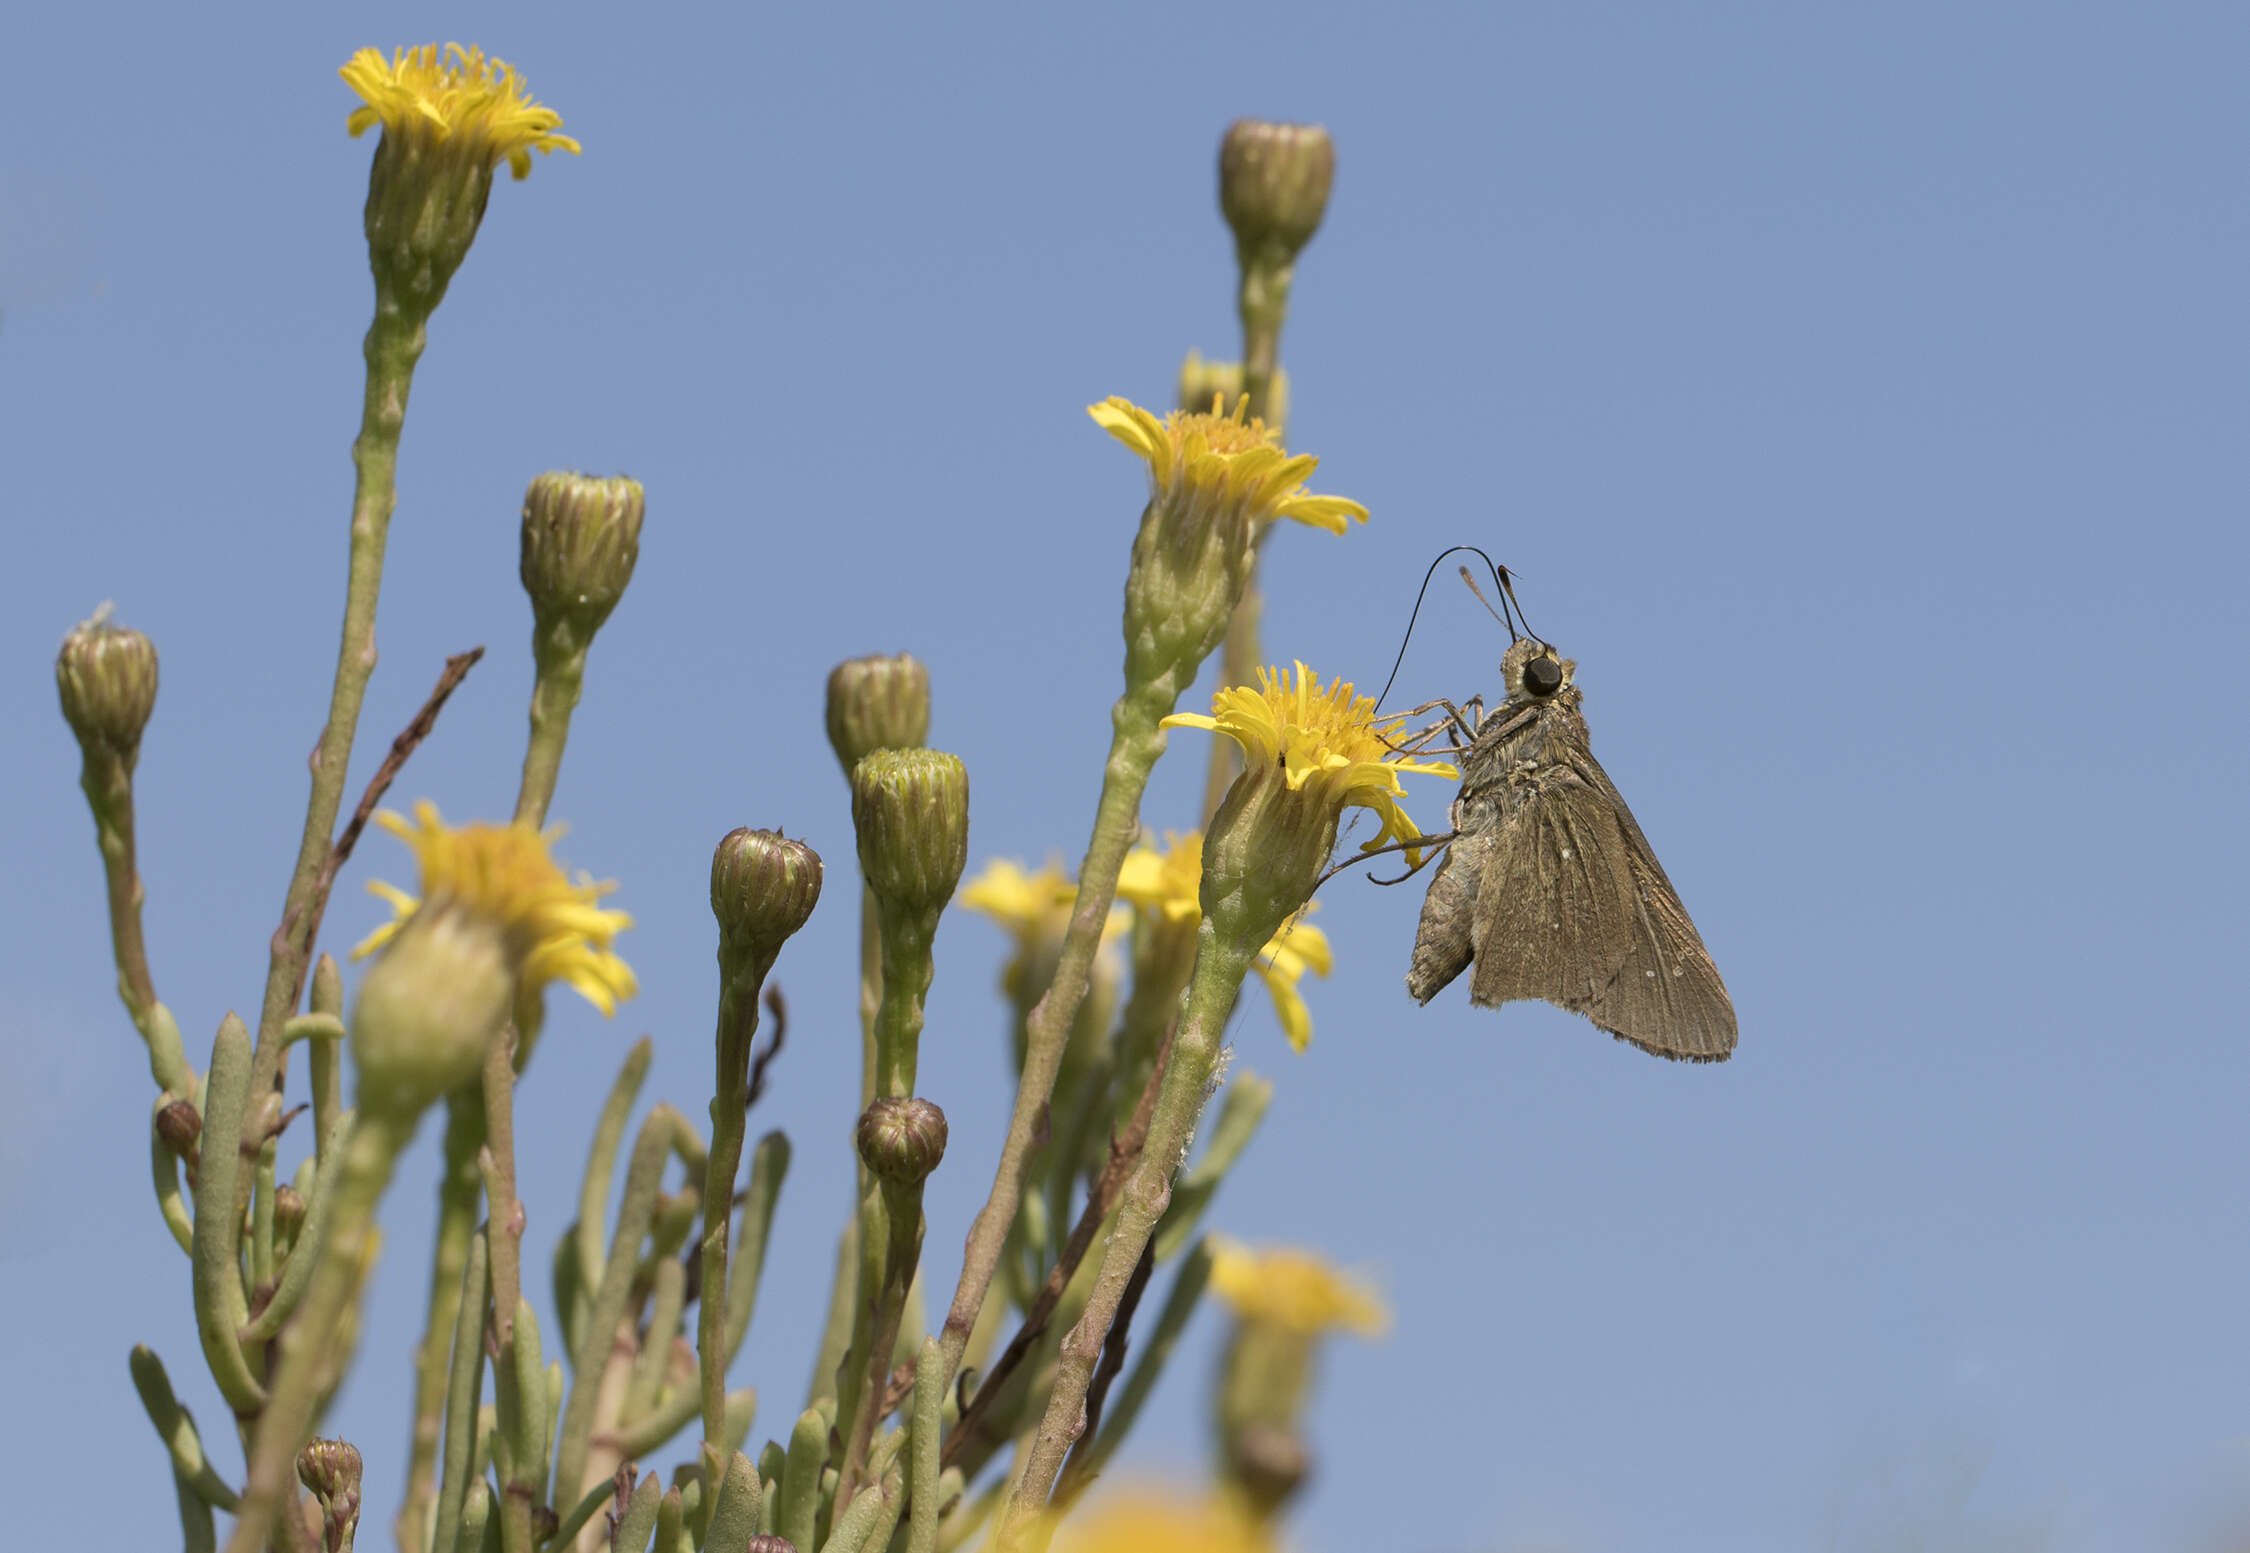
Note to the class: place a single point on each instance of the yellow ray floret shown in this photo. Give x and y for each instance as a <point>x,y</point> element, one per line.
<point>1214,456</point>
<point>477,104</point>
<point>1294,1289</point>
<point>1023,902</point>
<point>1155,1521</point>
<point>1031,906</point>
<point>1326,740</point>
<point>1166,886</point>
<point>504,876</point>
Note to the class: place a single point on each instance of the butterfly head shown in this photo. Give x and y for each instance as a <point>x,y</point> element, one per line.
<point>1533,671</point>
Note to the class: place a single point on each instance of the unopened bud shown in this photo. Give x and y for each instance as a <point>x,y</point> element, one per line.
<point>288,1212</point>
<point>179,1124</point>
<point>107,676</point>
<point>581,537</point>
<point>902,1140</point>
<point>1273,187</point>
<point>878,703</point>
<point>910,808</point>
<point>763,889</point>
<point>331,1470</point>
<point>766,1542</point>
<point>1269,1465</point>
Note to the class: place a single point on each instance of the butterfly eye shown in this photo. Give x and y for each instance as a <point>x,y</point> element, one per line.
<point>1542,676</point>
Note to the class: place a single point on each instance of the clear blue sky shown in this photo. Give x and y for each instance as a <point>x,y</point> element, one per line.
<point>1859,391</point>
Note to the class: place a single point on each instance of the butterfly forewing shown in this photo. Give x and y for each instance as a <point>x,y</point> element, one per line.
<point>1554,917</point>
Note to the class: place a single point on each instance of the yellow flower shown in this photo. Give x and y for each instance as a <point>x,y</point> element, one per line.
<point>1326,741</point>
<point>1293,1289</point>
<point>478,105</point>
<point>1029,905</point>
<point>1145,1521</point>
<point>1224,462</point>
<point>1165,885</point>
<point>503,875</point>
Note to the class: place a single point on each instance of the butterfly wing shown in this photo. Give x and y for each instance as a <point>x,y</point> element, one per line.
<point>1667,996</point>
<point>1445,940</point>
<point>1554,916</point>
<point>1576,911</point>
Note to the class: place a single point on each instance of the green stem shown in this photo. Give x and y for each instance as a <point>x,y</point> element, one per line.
<point>554,696</point>
<point>461,1399</point>
<point>907,972</point>
<point>108,784</point>
<point>929,1409</point>
<point>1263,302</point>
<point>730,1102</point>
<point>1217,982</point>
<point>643,1177</point>
<point>504,1224</point>
<point>902,1212</point>
<point>1136,742</point>
<point>870,998</point>
<point>394,344</point>
<point>314,1349</point>
<point>460,1189</point>
<point>1155,1349</point>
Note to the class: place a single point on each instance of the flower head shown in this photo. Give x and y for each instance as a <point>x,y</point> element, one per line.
<point>1166,886</point>
<point>1144,1521</point>
<point>461,97</point>
<point>1033,907</point>
<point>447,123</point>
<point>1225,464</point>
<point>1295,1290</point>
<point>1325,741</point>
<point>503,877</point>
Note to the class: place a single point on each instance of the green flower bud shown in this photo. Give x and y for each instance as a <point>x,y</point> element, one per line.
<point>288,1212</point>
<point>878,703</point>
<point>911,810</point>
<point>1273,187</point>
<point>763,889</point>
<point>107,676</point>
<point>428,1008</point>
<point>581,538</point>
<point>902,1140</point>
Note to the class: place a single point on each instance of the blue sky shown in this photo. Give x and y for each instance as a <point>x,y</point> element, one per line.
<point>1858,391</point>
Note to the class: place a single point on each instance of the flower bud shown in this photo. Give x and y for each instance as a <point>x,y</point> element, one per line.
<point>1203,381</point>
<point>766,1542</point>
<point>902,1140</point>
<point>763,889</point>
<point>331,1470</point>
<point>878,703</point>
<point>427,1009</point>
<point>581,537</point>
<point>911,810</point>
<point>1268,1466</point>
<point>1273,187</point>
<point>179,1124</point>
<point>107,676</point>
<point>288,1212</point>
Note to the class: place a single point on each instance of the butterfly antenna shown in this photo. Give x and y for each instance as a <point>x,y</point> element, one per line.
<point>1497,571</point>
